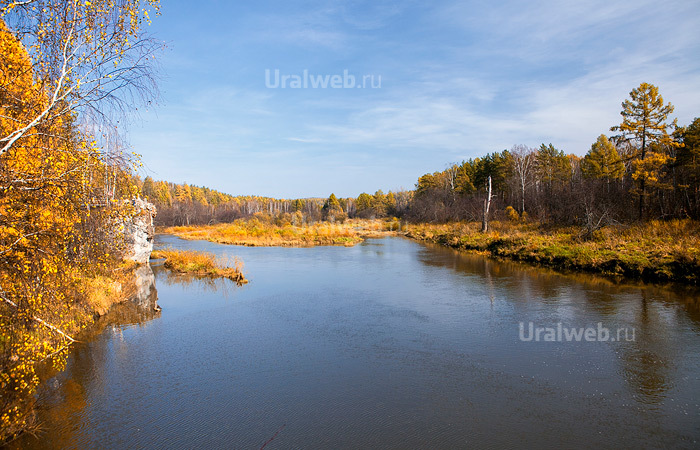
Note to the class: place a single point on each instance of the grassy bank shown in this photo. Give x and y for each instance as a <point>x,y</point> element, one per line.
<point>200,264</point>
<point>654,251</point>
<point>254,232</point>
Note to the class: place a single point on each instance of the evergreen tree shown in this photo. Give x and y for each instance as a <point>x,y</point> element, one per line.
<point>552,165</point>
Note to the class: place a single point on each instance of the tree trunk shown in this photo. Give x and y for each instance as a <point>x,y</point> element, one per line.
<point>487,206</point>
<point>643,183</point>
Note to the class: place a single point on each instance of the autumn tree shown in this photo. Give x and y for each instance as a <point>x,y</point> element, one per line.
<point>162,194</point>
<point>435,197</point>
<point>199,195</point>
<point>65,67</point>
<point>602,161</point>
<point>332,210</point>
<point>183,193</point>
<point>465,178</point>
<point>90,59</point>
<point>379,203</point>
<point>644,124</point>
<point>363,205</point>
<point>148,189</point>
<point>298,205</point>
<point>427,182</point>
<point>390,203</point>
<point>332,203</point>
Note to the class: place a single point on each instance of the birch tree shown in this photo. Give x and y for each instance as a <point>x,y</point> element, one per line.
<point>90,60</point>
<point>487,206</point>
<point>523,169</point>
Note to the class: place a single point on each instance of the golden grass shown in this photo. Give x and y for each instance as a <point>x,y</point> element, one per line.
<point>101,292</point>
<point>201,264</point>
<point>254,232</point>
<point>653,251</point>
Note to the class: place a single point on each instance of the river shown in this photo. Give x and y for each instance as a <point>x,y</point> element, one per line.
<point>388,344</point>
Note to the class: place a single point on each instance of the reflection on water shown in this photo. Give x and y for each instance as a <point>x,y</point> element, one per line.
<point>388,344</point>
<point>650,314</point>
<point>63,398</point>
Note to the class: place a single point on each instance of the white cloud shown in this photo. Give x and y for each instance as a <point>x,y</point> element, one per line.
<point>304,140</point>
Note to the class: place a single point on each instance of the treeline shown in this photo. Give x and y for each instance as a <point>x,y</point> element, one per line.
<point>184,204</point>
<point>649,170</point>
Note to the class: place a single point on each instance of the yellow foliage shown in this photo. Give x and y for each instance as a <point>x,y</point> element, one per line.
<point>512,214</point>
<point>58,199</point>
<point>651,168</point>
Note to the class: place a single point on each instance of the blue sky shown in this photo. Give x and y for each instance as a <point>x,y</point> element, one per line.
<point>458,79</point>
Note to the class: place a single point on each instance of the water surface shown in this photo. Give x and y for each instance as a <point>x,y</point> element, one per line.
<point>388,344</point>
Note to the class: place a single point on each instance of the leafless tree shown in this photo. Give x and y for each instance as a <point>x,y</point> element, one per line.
<point>523,169</point>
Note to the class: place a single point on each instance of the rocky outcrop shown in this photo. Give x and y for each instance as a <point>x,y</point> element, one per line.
<point>139,231</point>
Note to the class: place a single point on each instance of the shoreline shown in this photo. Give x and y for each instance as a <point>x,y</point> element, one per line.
<point>562,252</point>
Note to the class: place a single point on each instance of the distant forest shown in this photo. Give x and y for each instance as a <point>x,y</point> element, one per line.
<point>184,204</point>
<point>650,169</point>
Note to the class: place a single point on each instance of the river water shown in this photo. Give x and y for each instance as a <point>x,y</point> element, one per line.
<point>388,344</point>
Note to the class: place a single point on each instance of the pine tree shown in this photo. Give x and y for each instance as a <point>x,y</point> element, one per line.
<point>552,165</point>
<point>332,210</point>
<point>390,203</point>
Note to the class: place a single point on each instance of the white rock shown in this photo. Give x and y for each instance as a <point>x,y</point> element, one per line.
<point>139,232</point>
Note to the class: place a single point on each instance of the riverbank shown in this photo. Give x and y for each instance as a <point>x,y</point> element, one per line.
<point>201,264</point>
<point>47,344</point>
<point>656,251</point>
<point>254,233</point>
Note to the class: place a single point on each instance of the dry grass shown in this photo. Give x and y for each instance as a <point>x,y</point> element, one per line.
<point>200,264</point>
<point>653,251</point>
<point>101,292</point>
<point>254,232</point>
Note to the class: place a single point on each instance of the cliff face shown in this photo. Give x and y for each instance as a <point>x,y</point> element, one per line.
<point>139,232</point>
